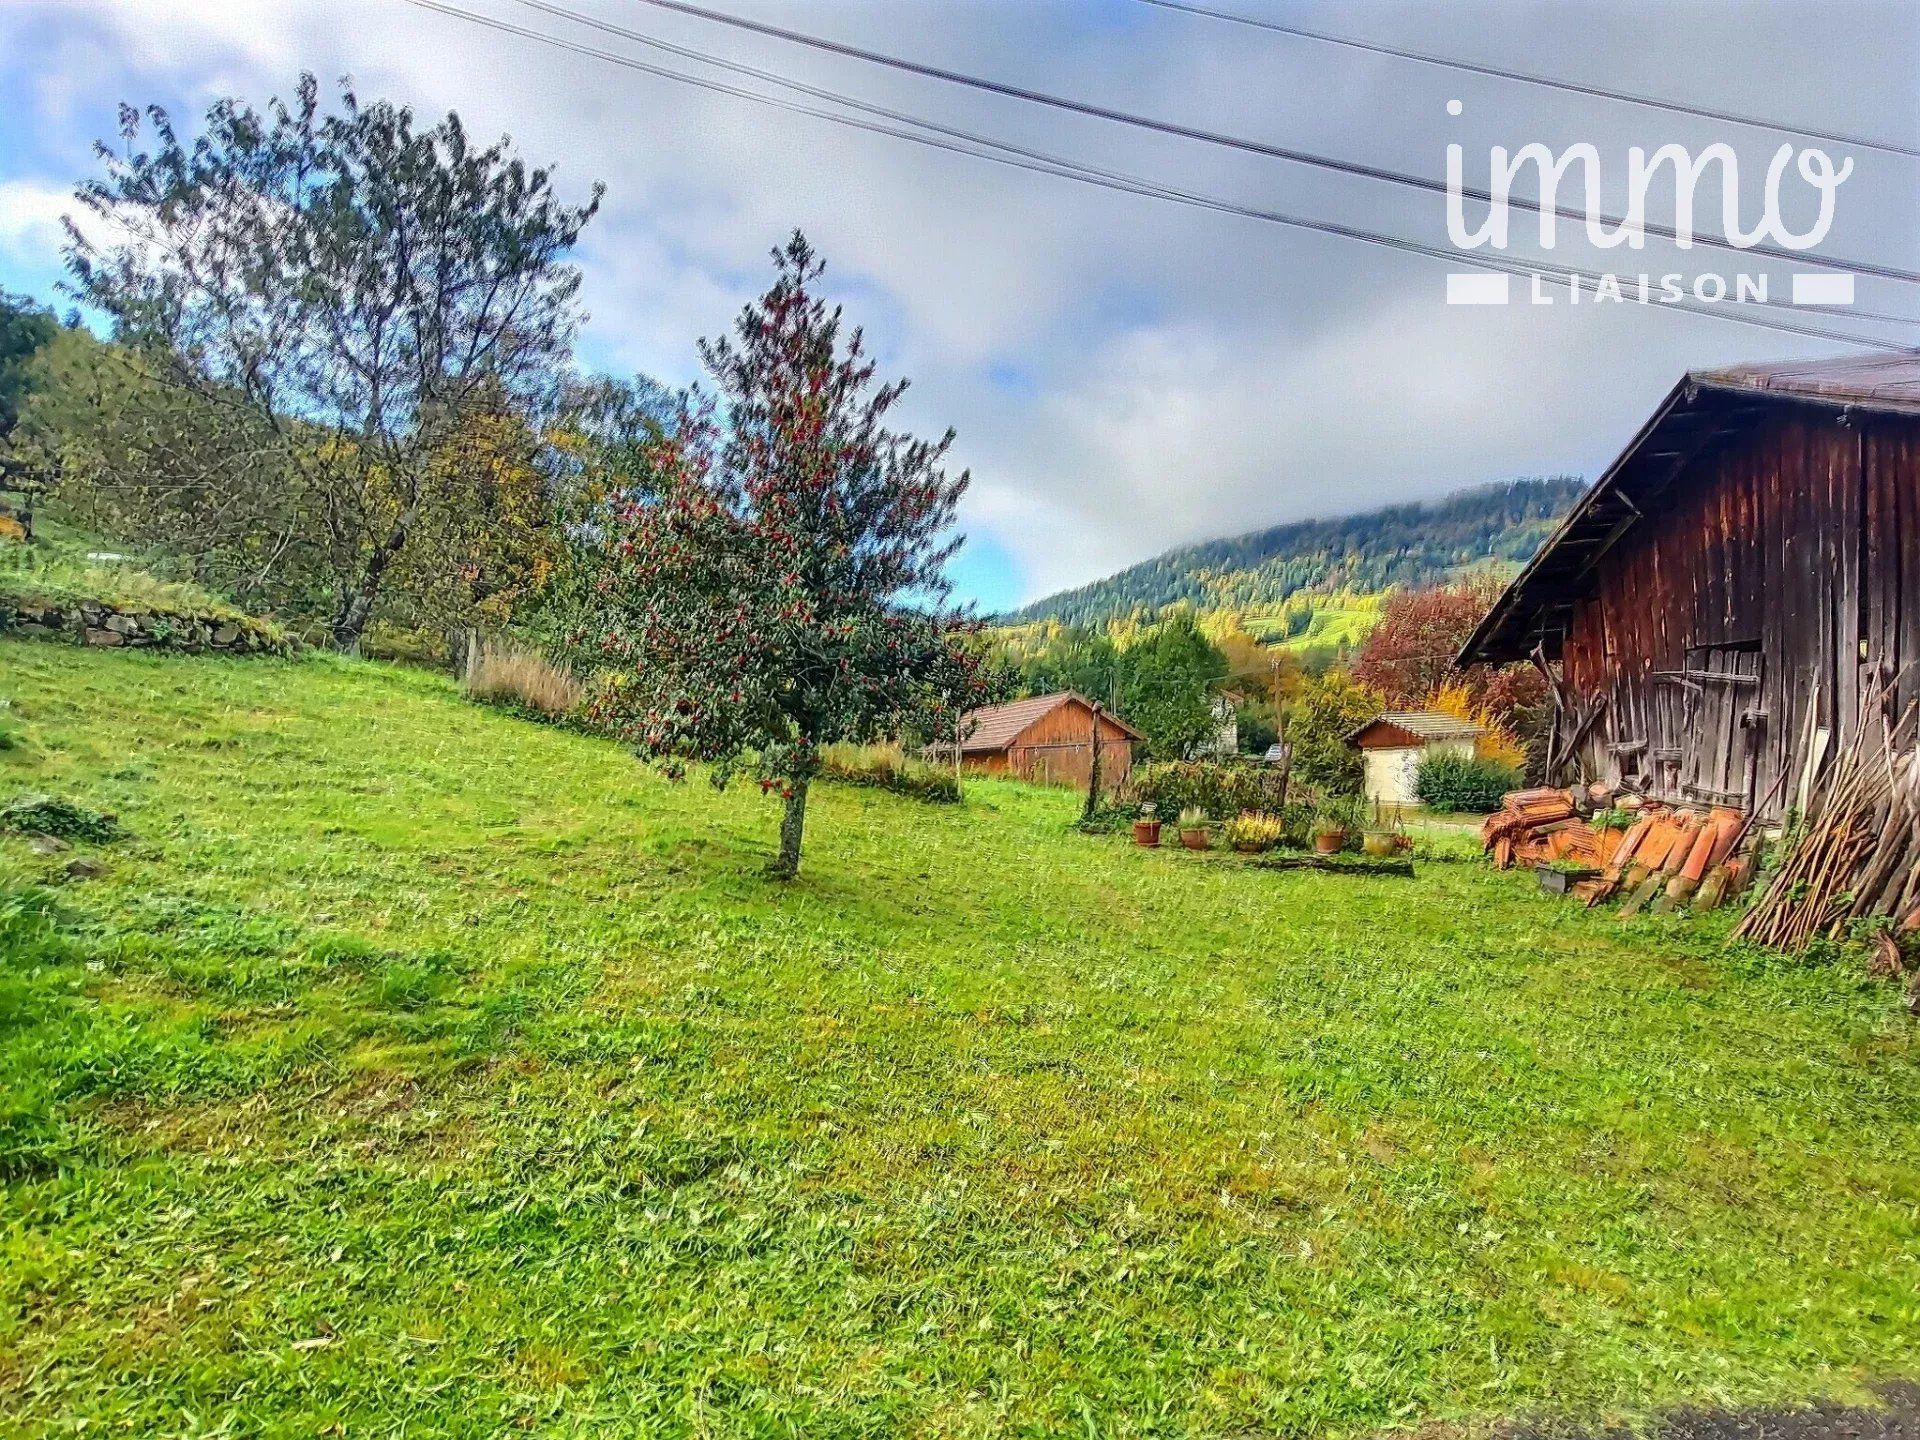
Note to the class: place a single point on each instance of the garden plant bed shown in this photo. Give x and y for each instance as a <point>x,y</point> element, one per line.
<point>1338,864</point>
<point>419,1069</point>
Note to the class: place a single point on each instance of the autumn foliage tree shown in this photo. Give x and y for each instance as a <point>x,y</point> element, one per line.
<point>1408,656</point>
<point>774,581</point>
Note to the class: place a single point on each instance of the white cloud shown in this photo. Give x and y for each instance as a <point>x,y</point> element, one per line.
<point>1124,374</point>
<point>30,214</point>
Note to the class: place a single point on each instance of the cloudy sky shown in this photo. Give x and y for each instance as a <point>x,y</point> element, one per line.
<point>1125,373</point>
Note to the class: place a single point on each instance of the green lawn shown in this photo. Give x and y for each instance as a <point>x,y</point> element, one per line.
<point>417,1070</point>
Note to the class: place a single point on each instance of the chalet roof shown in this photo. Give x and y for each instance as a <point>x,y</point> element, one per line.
<point>1705,407</point>
<point>1425,724</point>
<point>995,727</point>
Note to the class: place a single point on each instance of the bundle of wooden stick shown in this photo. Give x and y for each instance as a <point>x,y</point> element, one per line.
<point>1857,851</point>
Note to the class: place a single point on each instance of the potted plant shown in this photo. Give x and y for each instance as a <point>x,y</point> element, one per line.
<point>1146,829</point>
<point>1331,827</point>
<point>1251,833</point>
<point>1387,835</point>
<point>1193,828</point>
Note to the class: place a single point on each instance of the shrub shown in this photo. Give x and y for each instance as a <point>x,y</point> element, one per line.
<point>424,646</point>
<point>1340,815</point>
<point>1210,786</point>
<point>1461,782</point>
<point>1193,818</point>
<point>887,766</point>
<point>502,672</point>
<point>1296,823</point>
<point>1498,744</point>
<point>49,815</point>
<point>1253,831</point>
<point>1319,720</point>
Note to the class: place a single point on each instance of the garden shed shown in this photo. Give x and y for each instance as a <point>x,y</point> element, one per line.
<point>1732,600</point>
<point>1048,739</point>
<point>1392,746</point>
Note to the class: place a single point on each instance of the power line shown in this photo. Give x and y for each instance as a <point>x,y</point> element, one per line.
<point>1354,168</point>
<point>1071,170</point>
<point>1053,164</point>
<point>1020,157</point>
<point>1570,86</point>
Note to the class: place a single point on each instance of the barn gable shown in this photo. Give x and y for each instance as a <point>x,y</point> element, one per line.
<point>1000,727</point>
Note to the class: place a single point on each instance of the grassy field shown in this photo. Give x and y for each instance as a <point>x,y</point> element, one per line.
<point>1332,624</point>
<point>414,1069</point>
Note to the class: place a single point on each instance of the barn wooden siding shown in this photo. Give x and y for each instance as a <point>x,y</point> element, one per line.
<point>1057,749</point>
<point>1770,592</point>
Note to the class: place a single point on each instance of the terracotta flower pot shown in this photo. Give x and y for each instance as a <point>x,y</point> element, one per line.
<point>1146,832</point>
<point>1196,839</point>
<point>1329,842</point>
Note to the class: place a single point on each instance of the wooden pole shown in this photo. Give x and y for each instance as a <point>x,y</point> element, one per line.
<point>958,720</point>
<point>1093,768</point>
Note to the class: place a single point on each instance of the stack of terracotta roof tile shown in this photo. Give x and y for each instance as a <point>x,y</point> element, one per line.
<point>1676,858</point>
<point>1533,826</point>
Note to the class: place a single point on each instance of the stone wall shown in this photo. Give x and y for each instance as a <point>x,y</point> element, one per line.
<point>88,622</point>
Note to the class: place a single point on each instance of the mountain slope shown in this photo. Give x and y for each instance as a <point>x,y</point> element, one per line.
<point>1349,555</point>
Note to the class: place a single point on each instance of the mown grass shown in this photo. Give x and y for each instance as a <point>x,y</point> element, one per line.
<point>417,1069</point>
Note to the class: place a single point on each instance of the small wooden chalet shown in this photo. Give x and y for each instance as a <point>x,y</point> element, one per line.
<point>1047,739</point>
<point>1734,598</point>
<point>1392,746</point>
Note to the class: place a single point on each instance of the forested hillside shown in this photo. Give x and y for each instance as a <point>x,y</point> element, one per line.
<point>1258,573</point>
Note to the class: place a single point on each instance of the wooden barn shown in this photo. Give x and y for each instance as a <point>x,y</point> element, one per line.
<point>1728,605</point>
<point>1048,739</point>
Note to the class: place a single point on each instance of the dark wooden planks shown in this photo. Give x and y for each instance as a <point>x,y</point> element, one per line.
<point>1795,542</point>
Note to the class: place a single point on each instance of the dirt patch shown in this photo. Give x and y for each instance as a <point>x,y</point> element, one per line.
<point>1896,1418</point>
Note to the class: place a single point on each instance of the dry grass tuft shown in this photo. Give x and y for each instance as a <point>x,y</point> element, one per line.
<point>886,765</point>
<point>503,672</point>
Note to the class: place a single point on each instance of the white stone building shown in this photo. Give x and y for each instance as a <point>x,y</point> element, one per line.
<point>1392,746</point>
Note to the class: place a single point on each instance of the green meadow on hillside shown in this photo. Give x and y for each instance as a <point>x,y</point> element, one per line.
<point>416,1069</point>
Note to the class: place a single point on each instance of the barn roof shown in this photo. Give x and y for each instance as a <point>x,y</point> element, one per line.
<point>1422,725</point>
<point>1705,407</point>
<point>994,727</point>
<point>1875,382</point>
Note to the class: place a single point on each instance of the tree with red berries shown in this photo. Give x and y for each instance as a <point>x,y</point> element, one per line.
<point>774,579</point>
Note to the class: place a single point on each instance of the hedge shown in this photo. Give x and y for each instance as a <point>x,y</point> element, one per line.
<point>1463,782</point>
